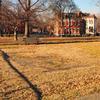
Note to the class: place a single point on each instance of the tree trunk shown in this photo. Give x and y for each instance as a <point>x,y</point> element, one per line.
<point>26,29</point>
<point>1,33</point>
<point>15,34</point>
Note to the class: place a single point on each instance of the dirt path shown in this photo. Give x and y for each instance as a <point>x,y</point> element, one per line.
<point>14,85</point>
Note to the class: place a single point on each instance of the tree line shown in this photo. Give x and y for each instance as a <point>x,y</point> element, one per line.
<point>24,14</point>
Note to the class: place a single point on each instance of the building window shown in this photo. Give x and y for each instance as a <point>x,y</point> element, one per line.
<point>90,21</point>
<point>77,30</point>
<point>73,30</point>
<point>64,23</point>
<point>90,29</point>
<point>67,23</point>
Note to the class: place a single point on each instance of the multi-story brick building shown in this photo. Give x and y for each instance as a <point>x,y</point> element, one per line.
<point>72,23</point>
<point>78,24</point>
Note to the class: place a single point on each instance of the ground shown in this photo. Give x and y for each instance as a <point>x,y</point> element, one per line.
<point>49,71</point>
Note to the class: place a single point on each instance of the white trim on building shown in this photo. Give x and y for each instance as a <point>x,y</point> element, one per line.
<point>91,22</point>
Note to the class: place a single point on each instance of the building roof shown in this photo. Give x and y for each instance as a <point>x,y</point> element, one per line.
<point>91,16</point>
<point>80,14</point>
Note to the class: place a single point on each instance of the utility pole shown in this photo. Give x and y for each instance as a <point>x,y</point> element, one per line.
<point>62,21</point>
<point>70,23</point>
<point>70,16</point>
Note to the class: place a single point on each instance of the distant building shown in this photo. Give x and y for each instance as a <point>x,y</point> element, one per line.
<point>72,23</point>
<point>91,24</point>
<point>77,24</point>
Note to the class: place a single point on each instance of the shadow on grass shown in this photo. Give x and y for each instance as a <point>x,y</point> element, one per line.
<point>33,87</point>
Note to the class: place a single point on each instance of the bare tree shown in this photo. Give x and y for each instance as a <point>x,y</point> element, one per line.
<point>9,17</point>
<point>41,12</point>
<point>59,7</point>
<point>31,9</point>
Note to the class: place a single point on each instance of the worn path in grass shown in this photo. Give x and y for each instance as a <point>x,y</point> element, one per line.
<point>14,85</point>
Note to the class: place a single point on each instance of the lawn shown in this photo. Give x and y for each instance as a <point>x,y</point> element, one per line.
<point>59,71</point>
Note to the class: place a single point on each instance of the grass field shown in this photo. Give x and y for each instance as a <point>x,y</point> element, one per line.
<point>50,71</point>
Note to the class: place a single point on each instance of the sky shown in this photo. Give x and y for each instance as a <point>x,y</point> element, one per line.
<point>88,6</point>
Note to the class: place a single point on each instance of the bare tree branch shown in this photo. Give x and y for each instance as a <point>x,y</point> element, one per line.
<point>22,5</point>
<point>34,3</point>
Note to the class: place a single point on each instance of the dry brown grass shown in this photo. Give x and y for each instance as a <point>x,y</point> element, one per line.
<point>60,71</point>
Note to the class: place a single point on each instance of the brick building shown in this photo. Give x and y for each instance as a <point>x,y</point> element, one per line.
<point>77,24</point>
